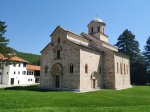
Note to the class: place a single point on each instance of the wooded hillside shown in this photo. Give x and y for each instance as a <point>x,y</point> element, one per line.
<point>32,58</point>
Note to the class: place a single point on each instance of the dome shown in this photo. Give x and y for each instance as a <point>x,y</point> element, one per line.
<point>96,20</point>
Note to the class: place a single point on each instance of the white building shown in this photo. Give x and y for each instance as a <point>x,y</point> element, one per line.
<point>16,73</point>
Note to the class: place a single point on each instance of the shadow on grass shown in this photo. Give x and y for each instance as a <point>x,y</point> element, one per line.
<point>30,88</point>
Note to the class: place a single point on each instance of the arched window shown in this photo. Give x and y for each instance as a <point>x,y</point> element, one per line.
<point>57,51</point>
<point>71,68</point>
<point>121,68</point>
<point>117,68</point>
<point>46,69</point>
<point>92,30</point>
<point>98,28</point>
<point>86,68</point>
<point>58,54</point>
<point>58,41</point>
<point>124,69</point>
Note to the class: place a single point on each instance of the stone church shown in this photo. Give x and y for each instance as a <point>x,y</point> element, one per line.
<point>83,62</point>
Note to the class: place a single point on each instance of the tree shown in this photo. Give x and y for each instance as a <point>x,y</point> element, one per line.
<point>146,54</point>
<point>3,42</point>
<point>128,45</point>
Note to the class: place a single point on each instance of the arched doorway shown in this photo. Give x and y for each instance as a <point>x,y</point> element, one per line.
<point>94,79</point>
<point>57,75</point>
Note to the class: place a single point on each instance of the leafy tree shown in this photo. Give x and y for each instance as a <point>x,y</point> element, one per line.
<point>128,45</point>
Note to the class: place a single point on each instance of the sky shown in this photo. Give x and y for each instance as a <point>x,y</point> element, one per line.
<point>30,22</point>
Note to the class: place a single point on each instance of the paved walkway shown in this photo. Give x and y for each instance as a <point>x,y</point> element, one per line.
<point>5,86</point>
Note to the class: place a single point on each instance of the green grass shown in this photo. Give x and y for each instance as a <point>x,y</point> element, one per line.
<point>31,99</point>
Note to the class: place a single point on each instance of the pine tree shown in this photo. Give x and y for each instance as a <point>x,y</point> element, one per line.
<point>146,52</point>
<point>128,45</point>
<point>3,42</point>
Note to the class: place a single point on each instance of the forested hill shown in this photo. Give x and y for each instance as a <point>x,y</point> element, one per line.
<point>31,58</point>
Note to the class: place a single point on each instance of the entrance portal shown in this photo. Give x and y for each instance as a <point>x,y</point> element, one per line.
<point>57,81</point>
<point>94,76</point>
<point>57,75</point>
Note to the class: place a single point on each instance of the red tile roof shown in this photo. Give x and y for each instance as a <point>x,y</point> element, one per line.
<point>2,57</point>
<point>33,67</point>
<point>13,58</point>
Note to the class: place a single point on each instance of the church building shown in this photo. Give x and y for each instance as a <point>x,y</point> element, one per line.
<point>83,62</point>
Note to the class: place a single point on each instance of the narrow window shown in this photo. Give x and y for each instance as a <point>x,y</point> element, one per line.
<point>58,41</point>
<point>58,54</point>
<point>14,72</point>
<point>0,73</point>
<point>86,68</point>
<point>124,69</point>
<point>120,68</point>
<point>98,29</point>
<point>46,70</point>
<point>19,65</point>
<point>18,72</point>
<point>92,29</point>
<point>71,68</point>
<point>117,68</point>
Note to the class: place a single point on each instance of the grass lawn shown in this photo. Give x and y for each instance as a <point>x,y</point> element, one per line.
<point>30,99</point>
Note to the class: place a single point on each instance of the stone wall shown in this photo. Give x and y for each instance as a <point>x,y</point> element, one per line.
<point>69,54</point>
<point>93,60</point>
<point>122,71</point>
<point>109,69</point>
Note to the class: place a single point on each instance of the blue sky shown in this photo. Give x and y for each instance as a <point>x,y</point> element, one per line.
<point>30,22</point>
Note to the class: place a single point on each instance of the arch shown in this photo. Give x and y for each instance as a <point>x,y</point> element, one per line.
<point>57,68</point>
<point>57,75</point>
<point>94,75</point>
